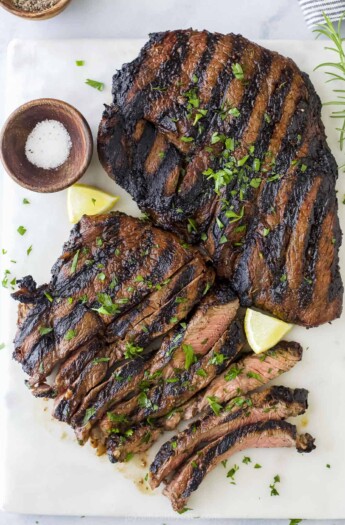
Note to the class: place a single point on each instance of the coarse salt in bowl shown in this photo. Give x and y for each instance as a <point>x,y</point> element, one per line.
<point>34,169</point>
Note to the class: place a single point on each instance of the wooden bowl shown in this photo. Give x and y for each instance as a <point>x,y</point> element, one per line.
<point>36,15</point>
<point>14,136</point>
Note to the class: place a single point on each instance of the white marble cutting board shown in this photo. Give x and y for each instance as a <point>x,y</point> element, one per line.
<point>44,469</point>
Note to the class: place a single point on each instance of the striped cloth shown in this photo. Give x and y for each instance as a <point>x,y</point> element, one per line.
<point>313,9</point>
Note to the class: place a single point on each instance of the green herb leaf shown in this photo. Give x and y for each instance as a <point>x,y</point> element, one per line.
<point>44,330</point>
<point>246,460</point>
<point>132,351</point>
<point>214,405</point>
<point>100,360</point>
<point>182,511</point>
<point>233,372</point>
<point>190,357</point>
<point>70,334</point>
<point>237,71</point>
<point>21,230</point>
<point>187,139</point>
<point>48,296</point>
<point>26,201</point>
<point>257,465</point>
<point>95,84</point>
<point>88,415</point>
<point>294,521</point>
<point>75,261</point>
<point>232,472</point>
<point>79,63</point>
<point>29,250</point>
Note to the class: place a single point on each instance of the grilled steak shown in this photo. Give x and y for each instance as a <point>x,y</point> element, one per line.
<point>245,376</point>
<point>249,373</point>
<point>211,338</point>
<point>118,279</point>
<point>274,403</point>
<point>221,140</point>
<point>267,434</point>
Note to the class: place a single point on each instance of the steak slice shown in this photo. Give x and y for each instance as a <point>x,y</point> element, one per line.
<point>221,140</point>
<point>266,434</point>
<point>274,403</point>
<point>111,265</point>
<point>173,391</point>
<point>249,373</point>
<point>206,330</point>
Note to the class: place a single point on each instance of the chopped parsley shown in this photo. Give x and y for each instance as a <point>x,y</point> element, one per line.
<point>100,360</point>
<point>294,521</point>
<point>44,330</point>
<point>48,296</point>
<point>107,306</point>
<point>246,460</point>
<point>95,84</point>
<point>79,63</point>
<point>29,250</point>
<point>70,334</point>
<point>132,351</point>
<point>117,418</point>
<point>231,474</point>
<point>254,375</point>
<point>21,230</point>
<point>26,201</point>
<point>88,415</point>
<point>217,359</point>
<point>276,480</point>
<point>214,405</point>
<point>233,372</point>
<point>201,372</point>
<point>75,261</point>
<point>190,357</point>
<point>257,465</point>
<point>237,71</point>
<point>187,139</point>
<point>182,511</point>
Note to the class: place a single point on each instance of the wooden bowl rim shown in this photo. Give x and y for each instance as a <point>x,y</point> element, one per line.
<point>86,130</point>
<point>36,15</point>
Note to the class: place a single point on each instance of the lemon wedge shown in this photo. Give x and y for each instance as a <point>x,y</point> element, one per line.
<point>87,200</point>
<point>263,331</point>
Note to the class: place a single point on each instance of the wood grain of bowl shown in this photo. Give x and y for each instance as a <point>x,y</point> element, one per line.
<point>15,133</point>
<point>35,15</point>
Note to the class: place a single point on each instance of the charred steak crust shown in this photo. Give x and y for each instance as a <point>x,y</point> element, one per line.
<point>171,107</point>
<point>264,435</point>
<point>274,403</point>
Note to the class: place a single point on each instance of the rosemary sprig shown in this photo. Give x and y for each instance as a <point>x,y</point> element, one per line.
<point>337,71</point>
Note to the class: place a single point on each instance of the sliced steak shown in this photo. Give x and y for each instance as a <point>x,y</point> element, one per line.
<point>173,391</point>
<point>111,265</point>
<point>249,373</point>
<point>221,140</point>
<point>267,434</point>
<point>274,403</point>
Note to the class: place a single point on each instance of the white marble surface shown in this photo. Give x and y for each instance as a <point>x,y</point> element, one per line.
<point>257,19</point>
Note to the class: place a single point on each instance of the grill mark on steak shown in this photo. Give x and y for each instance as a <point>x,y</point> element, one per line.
<point>261,370</point>
<point>119,448</point>
<point>274,403</point>
<point>276,87</point>
<point>268,434</point>
<point>102,397</point>
<point>155,300</point>
<point>159,400</point>
<point>72,367</point>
